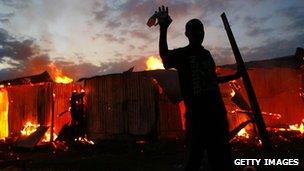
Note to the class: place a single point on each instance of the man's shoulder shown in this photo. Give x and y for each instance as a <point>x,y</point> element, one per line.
<point>180,49</point>
<point>206,51</point>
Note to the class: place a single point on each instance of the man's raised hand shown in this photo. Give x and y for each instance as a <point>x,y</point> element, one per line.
<point>164,20</point>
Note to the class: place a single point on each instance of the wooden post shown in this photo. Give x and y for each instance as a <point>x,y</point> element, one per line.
<point>258,119</point>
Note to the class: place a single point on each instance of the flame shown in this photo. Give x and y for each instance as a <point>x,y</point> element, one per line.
<point>63,79</point>
<point>232,93</point>
<point>3,113</point>
<point>153,63</point>
<point>182,110</point>
<point>58,76</point>
<point>297,127</point>
<point>47,136</point>
<point>29,128</point>
<point>243,133</point>
<point>84,140</point>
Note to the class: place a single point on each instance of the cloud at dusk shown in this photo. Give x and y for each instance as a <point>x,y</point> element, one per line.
<point>87,38</point>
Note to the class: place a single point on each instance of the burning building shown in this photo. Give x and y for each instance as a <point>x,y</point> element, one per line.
<point>132,104</point>
<point>148,103</point>
<point>30,101</point>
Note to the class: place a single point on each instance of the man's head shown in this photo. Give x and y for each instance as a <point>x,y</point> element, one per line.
<point>195,31</point>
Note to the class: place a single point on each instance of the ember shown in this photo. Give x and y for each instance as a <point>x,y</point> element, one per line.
<point>297,127</point>
<point>154,63</point>
<point>84,140</point>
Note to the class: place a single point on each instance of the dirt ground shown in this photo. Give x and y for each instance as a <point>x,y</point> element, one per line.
<point>116,155</point>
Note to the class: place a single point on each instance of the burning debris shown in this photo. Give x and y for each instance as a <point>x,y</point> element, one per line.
<point>84,140</point>
<point>29,128</point>
<point>297,127</point>
<point>47,136</point>
<point>243,133</point>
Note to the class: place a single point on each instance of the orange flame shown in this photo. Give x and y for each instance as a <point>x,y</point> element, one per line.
<point>84,140</point>
<point>29,128</point>
<point>47,136</point>
<point>243,133</point>
<point>297,127</point>
<point>154,63</point>
<point>182,110</point>
<point>63,79</point>
<point>232,93</point>
<point>4,104</point>
<point>58,76</point>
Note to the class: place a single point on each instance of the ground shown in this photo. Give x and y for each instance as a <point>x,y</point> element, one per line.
<point>134,155</point>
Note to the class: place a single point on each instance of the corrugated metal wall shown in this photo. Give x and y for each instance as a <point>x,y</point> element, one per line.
<point>34,103</point>
<point>277,90</point>
<point>128,104</point>
<point>170,118</point>
<point>28,103</point>
<point>104,96</point>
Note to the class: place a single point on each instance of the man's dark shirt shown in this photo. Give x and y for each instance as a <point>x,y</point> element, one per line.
<point>196,70</point>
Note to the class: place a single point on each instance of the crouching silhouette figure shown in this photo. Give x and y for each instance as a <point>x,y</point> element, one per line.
<point>207,125</point>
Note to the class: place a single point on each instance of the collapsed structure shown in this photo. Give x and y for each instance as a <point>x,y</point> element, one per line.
<point>147,103</point>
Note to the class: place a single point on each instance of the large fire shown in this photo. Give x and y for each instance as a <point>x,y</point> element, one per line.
<point>58,76</point>
<point>154,63</point>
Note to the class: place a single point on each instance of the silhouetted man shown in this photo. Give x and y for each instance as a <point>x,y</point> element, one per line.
<point>207,124</point>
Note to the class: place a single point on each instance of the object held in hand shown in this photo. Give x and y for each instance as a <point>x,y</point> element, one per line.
<point>152,20</point>
<point>160,17</point>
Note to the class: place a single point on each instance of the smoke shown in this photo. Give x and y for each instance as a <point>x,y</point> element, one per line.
<point>25,57</point>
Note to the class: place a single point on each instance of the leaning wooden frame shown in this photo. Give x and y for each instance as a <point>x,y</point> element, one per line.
<point>257,114</point>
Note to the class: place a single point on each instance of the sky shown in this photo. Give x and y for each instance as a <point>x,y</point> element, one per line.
<point>87,38</point>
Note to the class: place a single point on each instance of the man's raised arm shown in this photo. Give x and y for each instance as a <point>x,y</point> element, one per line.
<point>164,21</point>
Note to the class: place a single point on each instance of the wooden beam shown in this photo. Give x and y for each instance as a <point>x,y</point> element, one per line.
<point>258,119</point>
